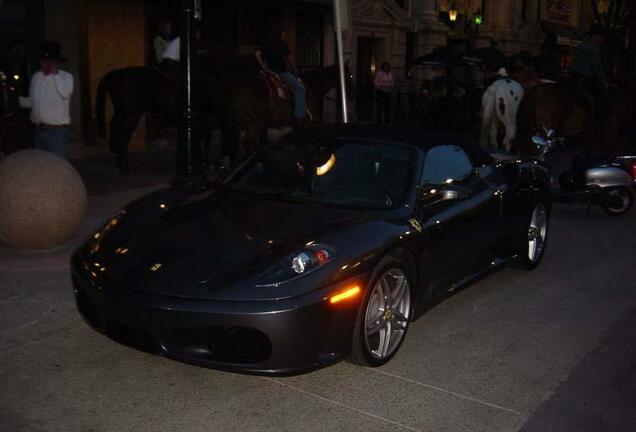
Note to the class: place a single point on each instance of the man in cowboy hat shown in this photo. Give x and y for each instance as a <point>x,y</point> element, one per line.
<point>588,73</point>
<point>587,65</point>
<point>49,97</point>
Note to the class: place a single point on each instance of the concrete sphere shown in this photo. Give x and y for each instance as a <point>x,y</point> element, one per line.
<point>42,200</point>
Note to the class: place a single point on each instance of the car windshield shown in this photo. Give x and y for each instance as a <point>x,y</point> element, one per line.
<point>330,172</point>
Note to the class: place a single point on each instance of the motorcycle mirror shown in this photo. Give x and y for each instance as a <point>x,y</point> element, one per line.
<point>549,133</point>
<point>542,145</point>
<point>539,141</point>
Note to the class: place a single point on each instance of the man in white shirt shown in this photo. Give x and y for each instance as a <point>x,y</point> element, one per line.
<point>49,98</point>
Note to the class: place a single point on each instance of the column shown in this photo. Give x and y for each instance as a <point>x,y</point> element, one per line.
<point>432,33</point>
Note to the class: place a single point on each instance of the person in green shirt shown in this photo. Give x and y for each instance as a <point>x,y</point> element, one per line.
<point>588,73</point>
<point>587,65</point>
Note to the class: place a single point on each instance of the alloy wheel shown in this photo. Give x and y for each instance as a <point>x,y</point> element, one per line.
<point>387,314</point>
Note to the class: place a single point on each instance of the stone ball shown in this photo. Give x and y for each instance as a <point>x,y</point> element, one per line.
<point>42,200</point>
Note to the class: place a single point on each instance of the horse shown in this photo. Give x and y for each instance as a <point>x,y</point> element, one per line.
<point>560,106</point>
<point>499,104</point>
<point>231,95</point>
<point>253,109</point>
<point>13,119</point>
<point>625,123</point>
<point>133,91</point>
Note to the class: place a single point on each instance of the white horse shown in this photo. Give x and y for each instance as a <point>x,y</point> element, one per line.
<point>500,103</point>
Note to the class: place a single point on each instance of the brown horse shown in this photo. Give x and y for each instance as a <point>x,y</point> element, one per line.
<point>626,123</point>
<point>252,110</point>
<point>559,106</point>
<point>230,95</point>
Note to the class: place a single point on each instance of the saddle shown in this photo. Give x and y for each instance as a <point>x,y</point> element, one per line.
<point>168,69</point>
<point>276,88</point>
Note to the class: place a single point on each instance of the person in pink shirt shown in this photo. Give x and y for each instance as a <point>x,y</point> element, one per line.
<point>384,85</point>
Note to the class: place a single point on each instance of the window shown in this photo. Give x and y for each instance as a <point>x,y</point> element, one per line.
<point>402,3</point>
<point>409,55</point>
<point>330,172</point>
<point>529,10</point>
<point>309,41</point>
<point>445,162</point>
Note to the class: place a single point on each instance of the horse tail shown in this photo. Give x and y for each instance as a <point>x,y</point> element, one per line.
<point>102,88</point>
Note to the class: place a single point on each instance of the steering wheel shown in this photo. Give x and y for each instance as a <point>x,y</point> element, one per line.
<point>385,188</point>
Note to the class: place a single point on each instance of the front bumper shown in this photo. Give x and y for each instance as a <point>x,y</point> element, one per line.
<point>270,337</point>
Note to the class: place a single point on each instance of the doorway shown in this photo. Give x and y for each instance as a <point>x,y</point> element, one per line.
<point>368,60</point>
<point>115,38</point>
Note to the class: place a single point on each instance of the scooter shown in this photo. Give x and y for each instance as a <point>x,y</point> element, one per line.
<point>608,185</point>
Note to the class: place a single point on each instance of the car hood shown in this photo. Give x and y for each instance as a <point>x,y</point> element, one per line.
<point>215,243</point>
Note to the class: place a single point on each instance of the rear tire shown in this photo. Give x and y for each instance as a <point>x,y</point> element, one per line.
<point>381,325</point>
<point>536,237</point>
<point>627,197</point>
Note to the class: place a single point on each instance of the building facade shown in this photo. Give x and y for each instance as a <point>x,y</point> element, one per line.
<point>101,35</point>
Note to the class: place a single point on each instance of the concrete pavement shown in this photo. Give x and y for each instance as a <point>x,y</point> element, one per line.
<point>548,350</point>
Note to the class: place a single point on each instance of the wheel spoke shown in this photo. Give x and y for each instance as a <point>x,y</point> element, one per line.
<point>385,339</point>
<point>537,232</point>
<point>532,247</point>
<point>385,292</point>
<point>399,316</point>
<point>398,293</point>
<point>374,327</point>
<point>398,326</point>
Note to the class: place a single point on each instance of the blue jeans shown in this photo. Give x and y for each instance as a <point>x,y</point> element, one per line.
<point>300,105</point>
<point>54,140</point>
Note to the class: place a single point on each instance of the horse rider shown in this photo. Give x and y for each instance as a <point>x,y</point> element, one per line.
<point>587,69</point>
<point>162,39</point>
<point>274,58</point>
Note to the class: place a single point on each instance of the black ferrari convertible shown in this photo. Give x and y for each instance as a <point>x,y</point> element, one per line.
<point>326,244</point>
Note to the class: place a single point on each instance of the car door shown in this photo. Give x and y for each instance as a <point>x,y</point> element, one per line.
<point>458,225</point>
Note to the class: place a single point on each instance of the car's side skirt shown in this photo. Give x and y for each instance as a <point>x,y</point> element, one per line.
<point>452,288</point>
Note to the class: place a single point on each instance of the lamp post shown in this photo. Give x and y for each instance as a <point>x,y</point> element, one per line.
<point>452,13</point>
<point>339,6</point>
<point>189,169</point>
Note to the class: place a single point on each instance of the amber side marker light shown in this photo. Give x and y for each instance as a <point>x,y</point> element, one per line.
<point>351,292</point>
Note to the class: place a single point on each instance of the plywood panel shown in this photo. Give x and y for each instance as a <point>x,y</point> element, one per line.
<point>116,38</point>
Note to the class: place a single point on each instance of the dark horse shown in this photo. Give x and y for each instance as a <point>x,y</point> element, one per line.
<point>253,111</point>
<point>566,109</point>
<point>135,91</point>
<point>231,95</point>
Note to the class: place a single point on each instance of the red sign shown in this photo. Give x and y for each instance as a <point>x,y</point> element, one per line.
<point>564,12</point>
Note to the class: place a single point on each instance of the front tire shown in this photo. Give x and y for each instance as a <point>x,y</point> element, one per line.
<point>384,315</point>
<point>626,196</point>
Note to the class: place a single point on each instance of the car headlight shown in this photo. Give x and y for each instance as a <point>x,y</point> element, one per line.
<point>294,266</point>
<point>95,240</point>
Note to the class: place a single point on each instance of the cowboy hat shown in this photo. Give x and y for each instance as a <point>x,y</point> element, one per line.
<point>51,50</point>
<point>502,71</point>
